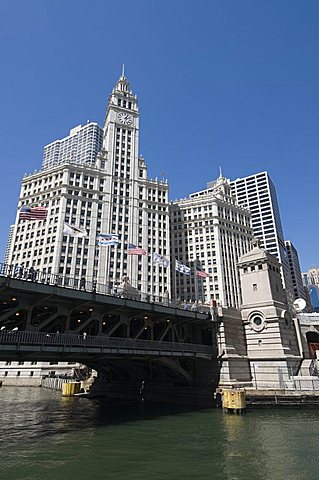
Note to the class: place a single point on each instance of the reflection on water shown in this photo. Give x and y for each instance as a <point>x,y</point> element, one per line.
<point>44,436</point>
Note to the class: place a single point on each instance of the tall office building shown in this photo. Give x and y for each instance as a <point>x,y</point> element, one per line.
<point>111,195</point>
<point>299,289</point>
<point>8,247</point>
<point>209,229</point>
<point>135,207</point>
<point>257,192</point>
<point>79,147</point>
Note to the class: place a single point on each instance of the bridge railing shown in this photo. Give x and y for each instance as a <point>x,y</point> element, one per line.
<point>36,276</point>
<point>87,341</point>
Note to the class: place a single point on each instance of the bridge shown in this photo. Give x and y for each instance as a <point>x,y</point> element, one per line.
<point>168,350</point>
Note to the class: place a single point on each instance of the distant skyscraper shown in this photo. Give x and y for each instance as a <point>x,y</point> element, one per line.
<point>257,192</point>
<point>8,247</point>
<point>311,282</point>
<point>299,289</point>
<point>311,277</point>
<point>107,193</point>
<point>79,147</point>
<point>209,229</point>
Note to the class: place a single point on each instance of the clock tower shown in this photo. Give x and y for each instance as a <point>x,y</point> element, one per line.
<point>134,207</point>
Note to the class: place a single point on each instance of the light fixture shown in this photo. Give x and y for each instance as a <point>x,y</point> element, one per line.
<point>79,321</point>
<point>17,314</point>
<point>13,299</point>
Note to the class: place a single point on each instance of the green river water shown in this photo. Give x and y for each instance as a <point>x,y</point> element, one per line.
<point>44,437</point>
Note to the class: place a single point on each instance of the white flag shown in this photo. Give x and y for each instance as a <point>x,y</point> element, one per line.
<point>107,239</point>
<point>157,258</point>
<point>179,267</point>
<point>74,231</point>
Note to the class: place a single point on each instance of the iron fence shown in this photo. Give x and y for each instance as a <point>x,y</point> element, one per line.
<point>90,341</point>
<point>36,276</point>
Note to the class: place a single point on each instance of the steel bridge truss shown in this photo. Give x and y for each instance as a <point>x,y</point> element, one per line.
<point>130,343</point>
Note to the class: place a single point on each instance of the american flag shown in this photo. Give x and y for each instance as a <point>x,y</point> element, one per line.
<point>200,273</point>
<point>33,213</point>
<point>135,250</point>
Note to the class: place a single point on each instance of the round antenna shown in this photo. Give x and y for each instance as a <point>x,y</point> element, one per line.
<point>299,304</point>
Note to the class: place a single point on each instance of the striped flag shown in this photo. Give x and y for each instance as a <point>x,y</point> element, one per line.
<point>107,239</point>
<point>200,273</point>
<point>135,250</point>
<point>33,213</point>
<point>157,258</point>
<point>179,267</point>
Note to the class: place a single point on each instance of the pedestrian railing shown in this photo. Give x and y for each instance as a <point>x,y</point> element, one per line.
<point>37,276</point>
<point>24,338</point>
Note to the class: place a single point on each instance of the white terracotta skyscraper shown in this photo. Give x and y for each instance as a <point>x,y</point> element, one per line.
<point>210,229</point>
<point>103,193</point>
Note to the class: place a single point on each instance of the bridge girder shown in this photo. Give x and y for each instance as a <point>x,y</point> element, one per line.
<point>157,322</point>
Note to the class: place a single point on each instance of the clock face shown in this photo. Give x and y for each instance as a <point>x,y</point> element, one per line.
<point>125,118</point>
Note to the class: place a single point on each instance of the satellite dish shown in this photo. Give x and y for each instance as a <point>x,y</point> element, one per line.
<point>299,304</point>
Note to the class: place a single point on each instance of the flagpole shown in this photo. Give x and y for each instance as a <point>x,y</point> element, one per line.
<point>202,289</point>
<point>195,281</point>
<point>152,276</point>
<point>175,280</point>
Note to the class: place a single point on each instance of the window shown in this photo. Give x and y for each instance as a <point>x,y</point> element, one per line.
<point>255,287</point>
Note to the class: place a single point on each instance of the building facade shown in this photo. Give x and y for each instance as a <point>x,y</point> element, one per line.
<point>80,147</point>
<point>210,230</point>
<point>111,195</point>
<point>258,193</point>
<point>295,271</point>
<point>30,374</point>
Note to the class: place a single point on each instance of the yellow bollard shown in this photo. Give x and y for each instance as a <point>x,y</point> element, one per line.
<point>234,400</point>
<point>70,389</point>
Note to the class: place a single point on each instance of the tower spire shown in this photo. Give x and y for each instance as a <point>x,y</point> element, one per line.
<point>123,70</point>
<point>220,172</point>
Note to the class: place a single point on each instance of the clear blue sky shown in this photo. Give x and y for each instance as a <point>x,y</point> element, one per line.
<point>231,83</point>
